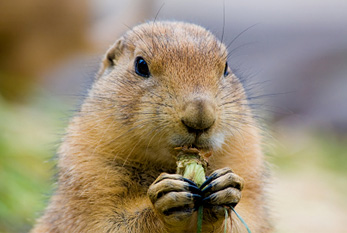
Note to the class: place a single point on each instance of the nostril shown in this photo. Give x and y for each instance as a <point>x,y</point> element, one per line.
<point>193,130</point>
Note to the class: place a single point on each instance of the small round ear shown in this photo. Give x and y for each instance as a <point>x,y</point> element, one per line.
<point>111,57</point>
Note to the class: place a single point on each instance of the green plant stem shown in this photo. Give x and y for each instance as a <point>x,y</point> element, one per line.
<point>200,215</point>
<point>241,219</point>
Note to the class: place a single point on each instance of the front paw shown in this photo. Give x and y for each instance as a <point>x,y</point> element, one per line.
<point>175,198</point>
<point>222,188</point>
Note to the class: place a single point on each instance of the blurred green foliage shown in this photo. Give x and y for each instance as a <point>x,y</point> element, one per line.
<point>27,147</point>
<point>319,150</point>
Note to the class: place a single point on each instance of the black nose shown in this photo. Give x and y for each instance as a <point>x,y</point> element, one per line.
<point>198,115</point>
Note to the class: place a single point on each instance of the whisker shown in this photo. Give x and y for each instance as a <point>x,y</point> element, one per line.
<point>240,34</point>
<point>232,52</point>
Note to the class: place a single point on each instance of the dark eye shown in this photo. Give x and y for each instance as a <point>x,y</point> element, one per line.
<point>141,67</point>
<point>226,69</point>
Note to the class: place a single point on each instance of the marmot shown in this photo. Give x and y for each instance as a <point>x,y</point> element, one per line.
<point>161,85</point>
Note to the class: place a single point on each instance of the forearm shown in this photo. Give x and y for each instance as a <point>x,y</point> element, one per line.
<point>136,215</point>
<point>123,215</point>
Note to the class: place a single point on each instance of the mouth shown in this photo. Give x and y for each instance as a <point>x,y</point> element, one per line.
<point>206,140</point>
<point>197,147</point>
<point>200,142</point>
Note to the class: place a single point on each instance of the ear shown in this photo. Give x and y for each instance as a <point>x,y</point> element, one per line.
<point>111,57</point>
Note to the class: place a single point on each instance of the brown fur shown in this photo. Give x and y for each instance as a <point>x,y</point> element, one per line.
<point>124,135</point>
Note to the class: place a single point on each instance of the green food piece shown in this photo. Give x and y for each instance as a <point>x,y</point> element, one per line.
<point>196,173</point>
<point>191,166</point>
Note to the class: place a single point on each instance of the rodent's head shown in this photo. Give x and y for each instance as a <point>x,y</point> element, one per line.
<point>167,84</point>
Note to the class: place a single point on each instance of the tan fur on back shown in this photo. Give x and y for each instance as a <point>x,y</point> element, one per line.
<point>124,135</point>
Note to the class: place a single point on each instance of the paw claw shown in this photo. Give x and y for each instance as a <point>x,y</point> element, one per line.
<point>206,200</point>
<point>189,181</point>
<point>207,181</point>
<point>195,196</point>
<point>193,189</point>
<point>207,188</point>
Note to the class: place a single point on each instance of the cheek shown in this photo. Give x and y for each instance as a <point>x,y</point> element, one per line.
<point>128,105</point>
<point>217,140</point>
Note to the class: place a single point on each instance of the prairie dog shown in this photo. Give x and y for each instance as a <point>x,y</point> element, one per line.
<point>161,85</point>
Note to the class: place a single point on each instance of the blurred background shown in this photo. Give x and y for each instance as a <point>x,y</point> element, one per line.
<point>291,53</point>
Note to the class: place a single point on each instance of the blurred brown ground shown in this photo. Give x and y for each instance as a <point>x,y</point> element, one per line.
<point>35,35</point>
